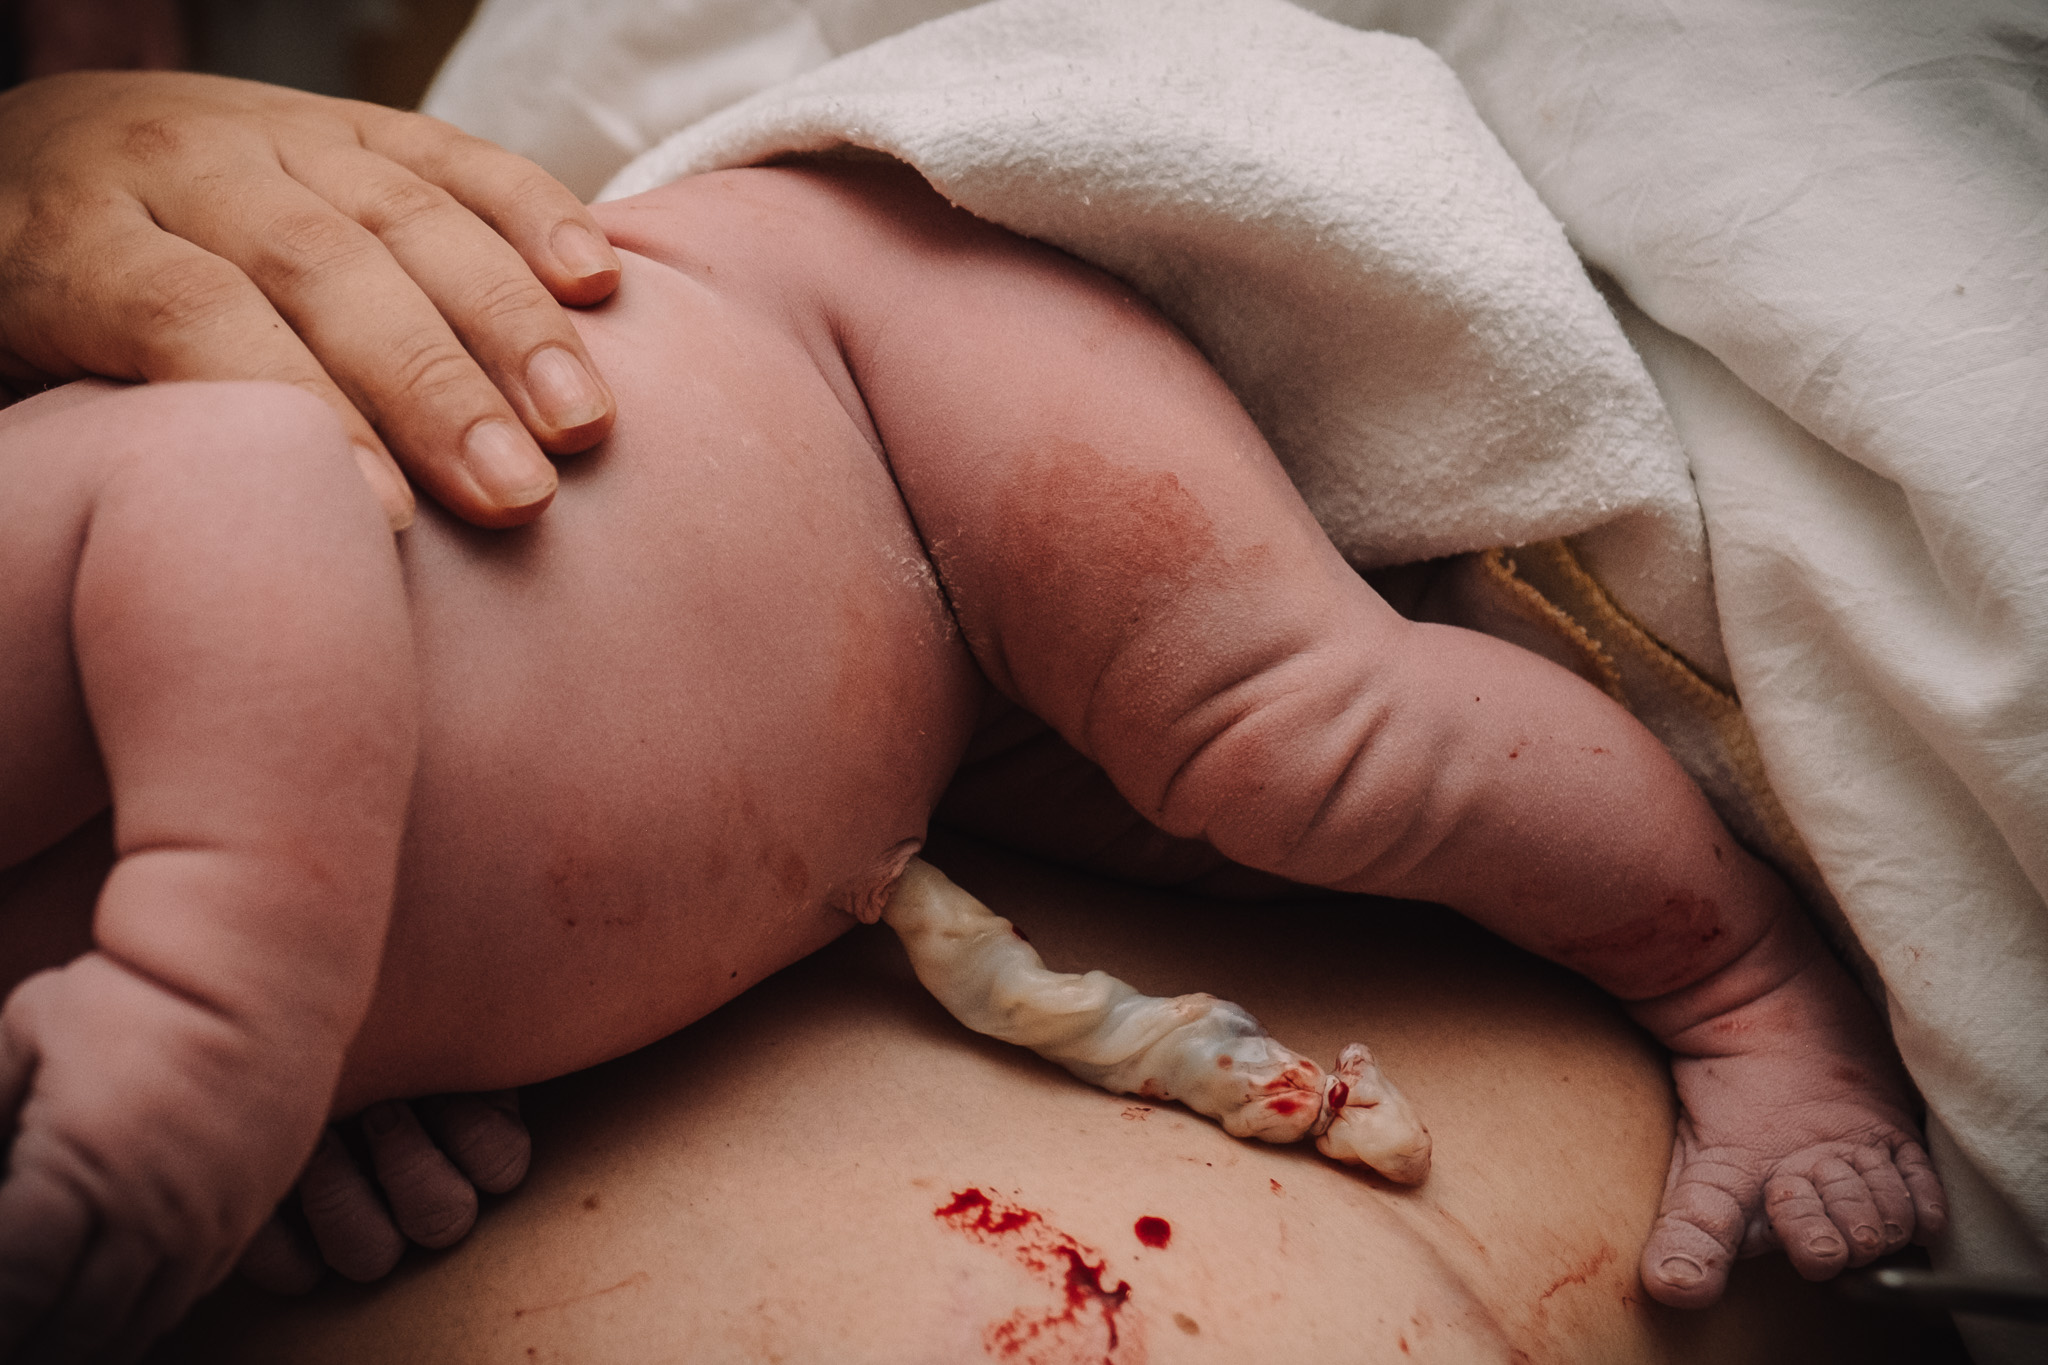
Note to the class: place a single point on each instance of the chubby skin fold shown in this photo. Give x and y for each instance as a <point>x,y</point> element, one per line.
<point>882,475</point>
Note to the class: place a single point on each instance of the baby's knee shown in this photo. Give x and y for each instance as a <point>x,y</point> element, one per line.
<point>1326,763</point>
<point>234,456</point>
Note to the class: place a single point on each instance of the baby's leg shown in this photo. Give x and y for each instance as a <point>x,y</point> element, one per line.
<point>206,625</point>
<point>1129,562</point>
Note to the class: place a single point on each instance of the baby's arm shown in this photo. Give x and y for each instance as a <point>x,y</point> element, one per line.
<point>206,623</point>
<point>1129,562</point>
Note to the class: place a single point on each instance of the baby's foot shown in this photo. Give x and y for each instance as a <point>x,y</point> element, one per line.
<point>1795,1132</point>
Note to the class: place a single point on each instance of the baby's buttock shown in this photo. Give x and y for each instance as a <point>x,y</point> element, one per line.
<point>671,730</point>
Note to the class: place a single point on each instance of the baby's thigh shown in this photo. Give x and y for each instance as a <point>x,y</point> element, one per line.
<point>831,1169</point>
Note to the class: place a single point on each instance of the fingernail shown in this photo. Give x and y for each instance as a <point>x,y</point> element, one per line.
<point>1865,1235</point>
<point>1893,1232</point>
<point>582,252</point>
<point>1682,1271</point>
<point>505,465</point>
<point>1825,1246</point>
<point>380,1119</point>
<point>393,494</point>
<point>566,394</point>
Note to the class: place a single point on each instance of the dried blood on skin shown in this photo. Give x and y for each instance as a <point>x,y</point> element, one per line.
<point>1153,1232</point>
<point>1580,1273</point>
<point>1067,1331</point>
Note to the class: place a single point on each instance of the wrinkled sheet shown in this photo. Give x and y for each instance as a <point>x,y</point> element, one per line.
<point>1830,221</point>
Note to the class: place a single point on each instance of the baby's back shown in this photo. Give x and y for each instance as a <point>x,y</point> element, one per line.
<point>672,729</point>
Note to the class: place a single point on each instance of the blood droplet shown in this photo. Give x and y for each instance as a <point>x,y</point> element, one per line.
<point>1153,1232</point>
<point>1083,1305</point>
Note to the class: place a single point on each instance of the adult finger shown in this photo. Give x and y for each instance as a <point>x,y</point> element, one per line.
<point>131,301</point>
<point>349,1223</point>
<point>382,340</point>
<point>483,1136</point>
<point>430,1200</point>
<point>278,1260</point>
<point>525,205</point>
<point>478,283</point>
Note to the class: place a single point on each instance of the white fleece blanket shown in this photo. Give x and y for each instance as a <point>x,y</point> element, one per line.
<point>1828,217</point>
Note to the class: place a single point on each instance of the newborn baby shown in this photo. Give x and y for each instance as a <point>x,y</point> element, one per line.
<point>891,491</point>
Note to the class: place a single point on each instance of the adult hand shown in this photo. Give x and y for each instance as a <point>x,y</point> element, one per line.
<point>167,225</point>
<point>395,1173</point>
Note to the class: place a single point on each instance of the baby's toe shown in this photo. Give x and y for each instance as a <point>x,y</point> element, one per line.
<point>1685,1263</point>
<point>1930,1206</point>
<point>1799,1214</point>
<point>1851,1207</point>
<point>1889,1193</point>
<point>430,1200</point>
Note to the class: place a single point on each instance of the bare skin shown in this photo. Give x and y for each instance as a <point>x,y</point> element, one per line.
<point>893,475</point>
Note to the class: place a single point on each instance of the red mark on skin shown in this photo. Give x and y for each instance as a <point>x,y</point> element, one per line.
<point>1223,1063</point>
<point>638,1277</point>
<point>1085,1310</point>
<point>1462,1230</point>
<point>1277,1188</point>
<point>1652,954</point>
<point>1153,1232</point>
<point>1339,1093</point>
<point>792,875</point>
<point>1402,1342</point>
<point>1585,1271</point>
<point>1283,1104</point>
<point>1515,752</point>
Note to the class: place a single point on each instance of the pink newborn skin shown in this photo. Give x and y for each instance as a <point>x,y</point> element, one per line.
<point>886,484</point>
